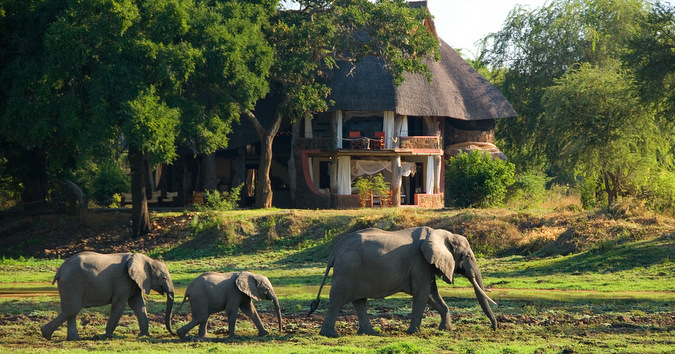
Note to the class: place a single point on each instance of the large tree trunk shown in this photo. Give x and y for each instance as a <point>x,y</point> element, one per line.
<point>292,172</point>
<point>140,217</point>
<point>263,184</point>
<point>611,188</point>
<point>209,172</point>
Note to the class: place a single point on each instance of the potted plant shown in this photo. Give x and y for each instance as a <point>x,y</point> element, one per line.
<point>367,186</point>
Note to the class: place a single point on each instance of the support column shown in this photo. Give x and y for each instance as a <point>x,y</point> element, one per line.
<point>396,181</point>
<point>437,174</point>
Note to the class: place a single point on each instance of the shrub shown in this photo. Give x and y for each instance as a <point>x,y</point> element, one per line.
<point>529,187</point>
<point>477,180</point>
<point>372,183</point>
<point>111,179</point>
<point>222,201</point>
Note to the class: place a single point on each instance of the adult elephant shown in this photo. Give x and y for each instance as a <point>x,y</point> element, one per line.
<point>90,279</point>
<point>213,292</point>
<point>373,263</point>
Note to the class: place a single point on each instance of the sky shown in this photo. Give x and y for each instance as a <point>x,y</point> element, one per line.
<point>461,23</point>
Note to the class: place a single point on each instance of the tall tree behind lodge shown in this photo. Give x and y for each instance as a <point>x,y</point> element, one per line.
<point>154,73</point>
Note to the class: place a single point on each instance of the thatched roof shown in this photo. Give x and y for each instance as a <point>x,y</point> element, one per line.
<point>458,91</point>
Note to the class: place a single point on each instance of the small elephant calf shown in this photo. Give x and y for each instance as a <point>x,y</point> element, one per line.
<point>214,292</point>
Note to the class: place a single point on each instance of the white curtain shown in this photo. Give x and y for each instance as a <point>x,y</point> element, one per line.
<point>388,124</point>
<point>338,117</point>
<point>371,167</point>
<point>311,169</point>
<point>404,126</point>
<point>308,125</point>
<point>344,179</point>
<point>429,176</point>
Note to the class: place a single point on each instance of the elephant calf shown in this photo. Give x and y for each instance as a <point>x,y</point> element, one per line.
<point>90,279</point>
<point>214,292</point>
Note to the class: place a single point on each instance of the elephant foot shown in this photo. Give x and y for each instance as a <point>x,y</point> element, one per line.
<point>73,337</point>
<point>181,333</point>
<point>446,326</point>
<point>331,333</point>
<point>412,330</point>
<point>263,333</point>
<point>45,333</point>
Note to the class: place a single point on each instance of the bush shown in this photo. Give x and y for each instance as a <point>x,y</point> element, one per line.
<point>221,201</point>
<point>373,183</point>
<point>529,187</point>
<point>111,179</point>
<point>477,180</point>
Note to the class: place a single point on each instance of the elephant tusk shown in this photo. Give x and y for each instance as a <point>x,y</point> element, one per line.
<point>475,285</point>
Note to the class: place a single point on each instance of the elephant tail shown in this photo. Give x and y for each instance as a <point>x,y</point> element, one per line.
<point>181,304</point>
<point>315,304</point>
<point>56,276</point>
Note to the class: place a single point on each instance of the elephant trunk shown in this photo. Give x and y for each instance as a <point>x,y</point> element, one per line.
<point>169,312</point>
<point>277,310</point>
<point>484,300</point>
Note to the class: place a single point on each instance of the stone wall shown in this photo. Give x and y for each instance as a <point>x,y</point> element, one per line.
<point>429,201</point>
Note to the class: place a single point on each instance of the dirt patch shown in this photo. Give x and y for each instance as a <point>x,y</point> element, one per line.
<point>56,236</point>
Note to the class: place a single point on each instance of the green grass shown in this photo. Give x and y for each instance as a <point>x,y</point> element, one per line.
<point>615,297</point>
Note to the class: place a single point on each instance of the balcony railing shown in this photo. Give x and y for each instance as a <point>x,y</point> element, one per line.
<point>419,142</point>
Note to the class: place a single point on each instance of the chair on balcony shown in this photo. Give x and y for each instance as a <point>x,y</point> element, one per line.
<point>378,142</point>
<point>357,142</point>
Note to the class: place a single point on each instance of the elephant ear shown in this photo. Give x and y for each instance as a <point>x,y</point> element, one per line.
<point>247,283</point>
<point>140,271</point>
<point>436,252</point>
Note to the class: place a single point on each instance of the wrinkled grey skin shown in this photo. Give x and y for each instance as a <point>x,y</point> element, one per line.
<point>214,292</point>
<point>373,263</point>
<point>90,279</point>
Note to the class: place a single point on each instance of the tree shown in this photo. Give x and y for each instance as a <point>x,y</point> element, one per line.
<point>597,128</point>
<point>153,73</point>
<point>314,39</point>
<point>651,55</point>
<point>537,46</point>
<point>39,136</point>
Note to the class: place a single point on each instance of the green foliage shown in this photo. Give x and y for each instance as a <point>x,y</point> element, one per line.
<point>400,348</point>
<point>528,186</point>
<point>659,193</point>
<point>476,179</point>
<point>110,180</point>
<point>650,55</point>
<point>620,140</point>
<point>374,184</point>
<point>221,201</point>
<point>537,46</point>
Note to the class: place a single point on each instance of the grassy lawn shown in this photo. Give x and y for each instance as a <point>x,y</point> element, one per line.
<point>612,297</point>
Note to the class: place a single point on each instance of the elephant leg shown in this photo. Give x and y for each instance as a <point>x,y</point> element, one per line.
<point>138,305</point>
<point>419,304</point>
<point>116,311</point>
<point>340,293</point>
<point>436,302</point>
<point>72,329</point>
<point>182,332</point>
<point>365,327</point>
<point>203,329</point>
<point>231,321</point>
<point>49,328</point>
<point>68,313</point>
<point>249,310</point>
